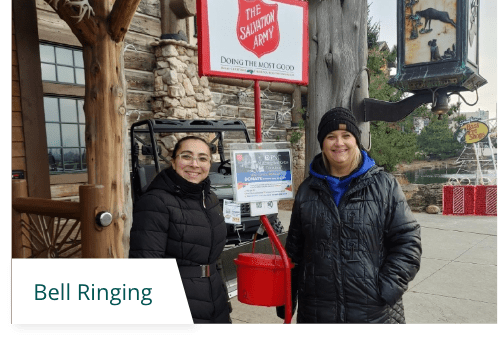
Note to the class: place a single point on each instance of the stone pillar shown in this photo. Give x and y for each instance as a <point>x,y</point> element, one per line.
<point>179,92</point>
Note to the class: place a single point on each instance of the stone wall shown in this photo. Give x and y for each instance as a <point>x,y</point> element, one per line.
<point>421,196</point>
<point>179,92</point>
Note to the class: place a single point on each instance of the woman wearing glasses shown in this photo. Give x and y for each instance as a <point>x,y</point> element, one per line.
<point>180,217</point>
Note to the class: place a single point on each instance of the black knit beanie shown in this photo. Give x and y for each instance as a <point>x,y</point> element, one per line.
<point>338,118</point>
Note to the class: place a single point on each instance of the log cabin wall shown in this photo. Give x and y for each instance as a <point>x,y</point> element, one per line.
<point>18,149</point>
<point>227,101</point>
<point>234,102</point>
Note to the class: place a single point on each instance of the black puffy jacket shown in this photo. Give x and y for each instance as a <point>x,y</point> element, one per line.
<point>181,220</point>
<point>354,261</point>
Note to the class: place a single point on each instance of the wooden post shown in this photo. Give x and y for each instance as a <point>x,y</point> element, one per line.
<point>96,241</point>
<point>19,189</point>
<point>105,122</point>
<point>101,34</point>
<point>28,52</point>
<point>338,59</point>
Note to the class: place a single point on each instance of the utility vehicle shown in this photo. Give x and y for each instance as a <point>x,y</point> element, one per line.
<point>148,159</point>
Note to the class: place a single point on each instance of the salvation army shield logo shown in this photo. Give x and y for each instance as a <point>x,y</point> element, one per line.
<point>257,27</point>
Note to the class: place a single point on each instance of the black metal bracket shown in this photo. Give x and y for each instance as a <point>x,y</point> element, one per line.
<point>376,110</point>
<point>176,36</point>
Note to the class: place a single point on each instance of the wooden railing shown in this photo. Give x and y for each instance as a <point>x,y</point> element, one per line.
<point>43,228</point>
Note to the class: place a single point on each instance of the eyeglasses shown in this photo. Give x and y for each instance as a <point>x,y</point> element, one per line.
<point>188,158</point>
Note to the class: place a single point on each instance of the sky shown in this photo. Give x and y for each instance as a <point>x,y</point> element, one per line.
<point>384,13</point>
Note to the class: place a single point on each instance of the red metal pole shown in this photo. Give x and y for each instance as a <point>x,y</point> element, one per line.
<point>257,112</point>
<point>269,229</point>
<point>287,272</point>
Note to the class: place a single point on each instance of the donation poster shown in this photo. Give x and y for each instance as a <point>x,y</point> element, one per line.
<point>262,175</point>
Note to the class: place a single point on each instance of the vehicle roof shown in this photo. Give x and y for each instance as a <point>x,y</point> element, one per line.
<point>174,126</point>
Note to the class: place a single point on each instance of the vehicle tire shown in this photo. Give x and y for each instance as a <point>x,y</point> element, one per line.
<point>277,226</point>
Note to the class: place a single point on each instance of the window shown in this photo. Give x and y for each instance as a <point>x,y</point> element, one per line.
<point>61,64</point>
<point>65,126</point>
<point>63,77</point>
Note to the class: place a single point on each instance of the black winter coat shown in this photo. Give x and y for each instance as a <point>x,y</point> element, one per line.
<point>354,261</point>
<point>181,220</point>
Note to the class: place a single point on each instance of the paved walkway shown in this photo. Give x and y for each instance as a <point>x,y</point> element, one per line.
<point>456,282</point>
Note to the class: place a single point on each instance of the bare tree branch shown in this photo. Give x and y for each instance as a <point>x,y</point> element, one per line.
<point>120,18</point>
<point>73,13</point>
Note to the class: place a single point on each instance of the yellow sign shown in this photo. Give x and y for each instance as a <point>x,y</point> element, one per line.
<point>475,131</point>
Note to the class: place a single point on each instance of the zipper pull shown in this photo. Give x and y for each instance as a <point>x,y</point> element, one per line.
<point>203,199</point>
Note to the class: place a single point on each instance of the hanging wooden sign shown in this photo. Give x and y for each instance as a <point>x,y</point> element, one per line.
<point>254,39</point>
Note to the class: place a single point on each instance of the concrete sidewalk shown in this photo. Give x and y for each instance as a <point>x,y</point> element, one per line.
<point>456,282</point>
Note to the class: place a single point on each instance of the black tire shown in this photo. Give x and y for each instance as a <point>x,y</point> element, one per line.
<point>225,168</point>
<point>277,226</point>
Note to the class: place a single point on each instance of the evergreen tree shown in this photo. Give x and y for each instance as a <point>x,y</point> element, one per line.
<point>391,144</point>
<point>438,141</point>
<point>373,30</point>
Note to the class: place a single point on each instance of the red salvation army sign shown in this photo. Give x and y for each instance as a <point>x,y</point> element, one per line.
<point>257,27</point>
<point>254,39</point>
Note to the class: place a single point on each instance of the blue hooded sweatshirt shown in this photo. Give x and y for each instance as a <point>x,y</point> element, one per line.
<point>339,186</point>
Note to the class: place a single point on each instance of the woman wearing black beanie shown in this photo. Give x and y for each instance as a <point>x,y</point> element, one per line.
<point>352,235</point>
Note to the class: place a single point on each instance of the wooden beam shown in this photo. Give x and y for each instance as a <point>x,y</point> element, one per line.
<point>19,189</point>
<point>31,100</point>
<point>47,207</point>
<point>63,89</point>
<point>69,178</point>
<point>120,18</point>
